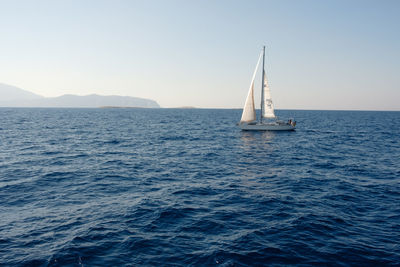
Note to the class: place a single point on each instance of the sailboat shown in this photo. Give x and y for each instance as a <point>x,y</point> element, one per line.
<point>268,121</point>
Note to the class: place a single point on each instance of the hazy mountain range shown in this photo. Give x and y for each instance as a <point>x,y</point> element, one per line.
<point>11,96</point>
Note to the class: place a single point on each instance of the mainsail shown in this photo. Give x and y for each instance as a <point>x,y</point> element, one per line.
<point>249,112</point>
<point>268,111</point>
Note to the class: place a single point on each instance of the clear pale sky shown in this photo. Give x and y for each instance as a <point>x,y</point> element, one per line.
<point>320,54</point>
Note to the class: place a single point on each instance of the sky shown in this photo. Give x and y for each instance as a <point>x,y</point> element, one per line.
<point>319,54</point>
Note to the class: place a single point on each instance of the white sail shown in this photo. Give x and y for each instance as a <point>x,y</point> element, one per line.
<point>268,111</point>
<point>249,111</point>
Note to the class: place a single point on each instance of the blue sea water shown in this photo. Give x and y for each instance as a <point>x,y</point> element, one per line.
<point>186,187</point>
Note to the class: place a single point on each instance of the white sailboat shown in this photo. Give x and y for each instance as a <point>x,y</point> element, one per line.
<point>268,120</point>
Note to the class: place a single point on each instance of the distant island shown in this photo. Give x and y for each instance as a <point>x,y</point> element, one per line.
<point>187,107</point>
<point>11,96</point>
<point>118,107</point>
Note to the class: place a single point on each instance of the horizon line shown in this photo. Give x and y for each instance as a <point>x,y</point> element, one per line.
<point>127,107</point>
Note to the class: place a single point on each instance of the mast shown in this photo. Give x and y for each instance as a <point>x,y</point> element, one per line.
<point>262,87</point>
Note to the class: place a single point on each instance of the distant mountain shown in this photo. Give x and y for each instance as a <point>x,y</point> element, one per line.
<point>12,93</point>
<point>93,101</point>
<point>11,96</point>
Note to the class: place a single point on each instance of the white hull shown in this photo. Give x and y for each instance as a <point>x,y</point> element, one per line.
<point>267,127</point>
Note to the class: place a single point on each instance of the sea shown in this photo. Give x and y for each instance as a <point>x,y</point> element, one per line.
<point>187,187</point>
